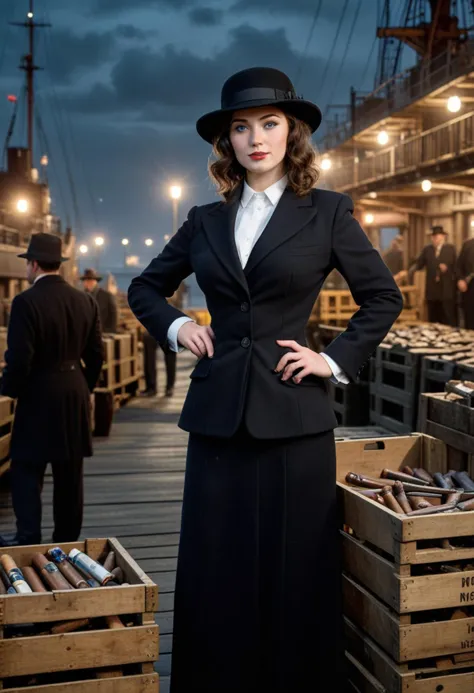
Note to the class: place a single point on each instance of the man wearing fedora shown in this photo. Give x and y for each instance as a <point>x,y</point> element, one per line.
<point>439,260</point>
<point>53,361</point>
<point>105,300</point>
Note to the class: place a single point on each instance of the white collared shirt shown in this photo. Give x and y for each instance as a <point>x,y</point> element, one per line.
<point>254,213</point>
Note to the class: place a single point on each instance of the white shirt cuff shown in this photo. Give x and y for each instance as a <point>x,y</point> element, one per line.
<point>173,330</point>
<point>338,375</point>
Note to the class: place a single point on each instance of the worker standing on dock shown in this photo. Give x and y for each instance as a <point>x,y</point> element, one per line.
<point>52,328</point>
<point>258,595</point>
<point>465,273</point>
<point>105,300</point>
<point>439,261</point>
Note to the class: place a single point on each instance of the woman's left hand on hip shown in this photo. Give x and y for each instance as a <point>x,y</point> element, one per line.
<point>301,357</point>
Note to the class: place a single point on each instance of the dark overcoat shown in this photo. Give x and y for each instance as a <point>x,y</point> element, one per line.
<point>465,270</point>
<point>270,299</point>
<point>439,286</point>
<point>107,309</point>
<point>52,327</point>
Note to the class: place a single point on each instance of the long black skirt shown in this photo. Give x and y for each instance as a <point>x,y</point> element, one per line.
<point>257,601</point>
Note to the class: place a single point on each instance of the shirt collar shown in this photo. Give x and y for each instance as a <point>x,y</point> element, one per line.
<point>273,193</point>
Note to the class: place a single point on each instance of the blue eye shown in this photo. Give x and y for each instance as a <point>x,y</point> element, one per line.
<point>271,122</point>
<point>237,128</point>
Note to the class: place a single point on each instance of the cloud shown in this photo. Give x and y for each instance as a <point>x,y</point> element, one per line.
<point>67,54</point>
<point>205,16</point>
<point>131,32</point>
<point>176,86</point>
<point>112,7</point>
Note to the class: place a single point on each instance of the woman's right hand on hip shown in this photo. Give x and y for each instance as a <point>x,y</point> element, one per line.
<point>197,338</point>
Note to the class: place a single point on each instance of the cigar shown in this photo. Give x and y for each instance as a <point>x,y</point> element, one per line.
<point>70,626</point>
<point>118,575</point>
<point>419,502</point>
<point>425,495</point>
<point>70,573</point>
<point>109,562</point>
<point>368,492</point>
<point>440,481</point>
<point>33,579</point>
<point>15,575</point>
<point>50,573</point>
<point>449,569</point>
<point>390,500</point>
<point>466,505</point>
<point>401,497</point>
<point>423,475</point>
<point>364,481</point>
<point>400,476</point>
<point>408,470</point>
<point>433,510</point>
<point>463,480</point>
<point>454,498</point>
<point>114,622</point>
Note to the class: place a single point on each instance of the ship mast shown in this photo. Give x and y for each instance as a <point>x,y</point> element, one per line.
<point>28,65</point>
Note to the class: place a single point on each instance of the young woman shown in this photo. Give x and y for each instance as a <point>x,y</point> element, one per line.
<point>257,601</point>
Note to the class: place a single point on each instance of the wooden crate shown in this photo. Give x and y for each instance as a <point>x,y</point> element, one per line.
<point>7,409</point>
<point>370,670</point>
<point>449,421</point>
<point>89,650</point>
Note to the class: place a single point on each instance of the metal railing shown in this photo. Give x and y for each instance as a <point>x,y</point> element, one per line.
<point>16,230</point>
<point>442,142</point>
<point>401,91</point>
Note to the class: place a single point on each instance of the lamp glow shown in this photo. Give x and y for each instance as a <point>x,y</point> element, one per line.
<point>426,185</point>
<point>149,242</point>
<point>99,241</point>
<point>125,241</point>
<point>454,104</point>
<point>382,137</point>
<point>369,218</point>
<point>22,206</point>
<point>326,163</point>
<point>175,192</point>
<point>83,249</point>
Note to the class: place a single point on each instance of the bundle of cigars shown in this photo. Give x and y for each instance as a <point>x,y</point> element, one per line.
<point>415,491</point>
<point>431,338</point>
<point>57,570</point>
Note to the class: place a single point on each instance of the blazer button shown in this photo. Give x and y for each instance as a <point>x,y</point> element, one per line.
<point>245,342</point>
<point>244,307</point>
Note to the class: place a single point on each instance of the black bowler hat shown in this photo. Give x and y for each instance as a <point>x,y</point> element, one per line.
<point>44,247</point>
<point>90,273</point>
<point>438,229</point>
<point>252,88</point>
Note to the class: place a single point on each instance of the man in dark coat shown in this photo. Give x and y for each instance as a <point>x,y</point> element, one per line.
<point>149,349</point>
<point>439,260</point>
<point>393,258</point>
<point>105,300</point>
<point>53,327</point>
<point>465,273</point>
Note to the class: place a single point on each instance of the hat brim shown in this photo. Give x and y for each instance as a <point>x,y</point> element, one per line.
<point>211,124</point>
<point>42,258</point>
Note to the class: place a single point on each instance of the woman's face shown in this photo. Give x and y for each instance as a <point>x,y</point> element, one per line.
<point>259,137</point>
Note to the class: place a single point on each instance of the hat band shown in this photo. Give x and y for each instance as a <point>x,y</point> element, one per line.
<point>258,94</point>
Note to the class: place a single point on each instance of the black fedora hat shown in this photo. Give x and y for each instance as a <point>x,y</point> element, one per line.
<point>435,230</point>
<point>253,88</point>
<point>44,247</point>
<point>90,273</point>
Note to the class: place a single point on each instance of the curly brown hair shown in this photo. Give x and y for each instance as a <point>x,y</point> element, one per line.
<point>303,173</point>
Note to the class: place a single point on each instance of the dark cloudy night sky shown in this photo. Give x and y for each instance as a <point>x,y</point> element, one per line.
<point>125,80</point>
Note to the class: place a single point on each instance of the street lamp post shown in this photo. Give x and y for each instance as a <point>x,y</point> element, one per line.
<point>99,242</point>
<point>125,243</point>
<point>175,194</point>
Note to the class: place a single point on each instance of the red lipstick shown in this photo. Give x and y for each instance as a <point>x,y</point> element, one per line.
<point>258,156</point>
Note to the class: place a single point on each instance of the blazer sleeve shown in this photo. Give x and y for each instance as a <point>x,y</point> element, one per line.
<point>148,292</point>
<point>20,348</point>
<point>372,286</point>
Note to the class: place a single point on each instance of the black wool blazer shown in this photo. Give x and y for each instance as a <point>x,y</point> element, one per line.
<point>272,298</point>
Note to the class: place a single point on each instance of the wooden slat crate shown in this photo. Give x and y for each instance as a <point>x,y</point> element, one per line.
<point>371,670</point>
<point>7,409</point>
<point>130,650</point>
<point>395,585</point>
<point>451,422</point>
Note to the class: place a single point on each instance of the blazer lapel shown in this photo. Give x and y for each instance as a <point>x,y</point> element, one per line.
<point>290,215</point>
<point>219,226</point>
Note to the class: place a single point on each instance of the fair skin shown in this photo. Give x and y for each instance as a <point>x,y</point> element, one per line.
<point>33,270</point>
<point>263,130</point>
<point>89,284</point>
